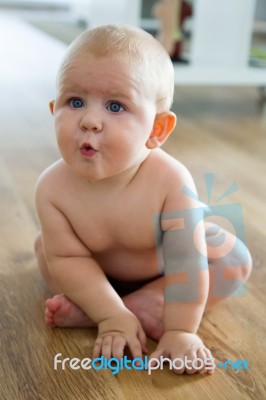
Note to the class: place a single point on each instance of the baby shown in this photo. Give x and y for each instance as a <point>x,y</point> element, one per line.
<point>113,247</point>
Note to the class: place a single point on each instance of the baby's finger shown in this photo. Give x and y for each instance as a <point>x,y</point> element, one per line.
<point>143,340</point>
<point>155,357</point>
<point>191,365</point>
<point>178,368</point>
<point>107,346</point>
<point>135,348</point>
<point>202,356</point>
<point>119,344</point>
<point>210,361</point>
<point>97,349</point>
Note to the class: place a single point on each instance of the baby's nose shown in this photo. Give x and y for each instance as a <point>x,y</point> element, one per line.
<point>91,122</point>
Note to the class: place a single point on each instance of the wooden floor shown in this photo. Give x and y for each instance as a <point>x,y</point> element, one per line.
<point>220,131</point>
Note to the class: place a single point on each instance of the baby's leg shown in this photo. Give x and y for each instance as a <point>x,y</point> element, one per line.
<point>62,312</point>
<point>228,272</point>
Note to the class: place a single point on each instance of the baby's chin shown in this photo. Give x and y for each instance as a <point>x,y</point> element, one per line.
<point>100,172</point>
<point>92,175</point>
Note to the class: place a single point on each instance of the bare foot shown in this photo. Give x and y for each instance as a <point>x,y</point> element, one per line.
<point>61,312</point>
<point>146,304</point>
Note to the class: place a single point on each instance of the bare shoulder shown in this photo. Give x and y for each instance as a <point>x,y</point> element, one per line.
<point>172,179</point>
<point>51,181</point>
<point>52,175</point>
<point>169,171</point>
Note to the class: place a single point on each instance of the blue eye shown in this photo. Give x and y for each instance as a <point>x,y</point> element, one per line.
<point>76,102</point>
<point>115,107</point>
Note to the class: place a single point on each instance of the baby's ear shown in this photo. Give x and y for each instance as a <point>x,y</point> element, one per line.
<point>51,106</point>
<point>163,125</point>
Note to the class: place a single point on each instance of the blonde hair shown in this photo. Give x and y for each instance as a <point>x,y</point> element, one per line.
<point>142,52</point>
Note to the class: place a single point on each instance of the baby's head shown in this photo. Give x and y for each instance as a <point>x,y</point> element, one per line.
<point>142,53</point>
<point>114,92</point>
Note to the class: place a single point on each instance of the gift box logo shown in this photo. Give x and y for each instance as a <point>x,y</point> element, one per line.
<point>182,255</point>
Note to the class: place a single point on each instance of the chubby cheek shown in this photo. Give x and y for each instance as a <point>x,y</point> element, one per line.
<point>64,137</point>
<point>138,131</point>
<point>59,133</point>
<point>128,150</point>
<point>61,143</point>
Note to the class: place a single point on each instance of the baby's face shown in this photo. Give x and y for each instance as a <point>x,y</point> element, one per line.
<point>103,117</point>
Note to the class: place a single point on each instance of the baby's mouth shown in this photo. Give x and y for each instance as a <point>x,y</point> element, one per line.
<point>87,150</point>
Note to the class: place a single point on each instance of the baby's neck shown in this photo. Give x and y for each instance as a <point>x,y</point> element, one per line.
<point>117,182</point>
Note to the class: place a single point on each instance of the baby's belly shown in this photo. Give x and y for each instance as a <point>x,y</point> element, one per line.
<point>129,265</point>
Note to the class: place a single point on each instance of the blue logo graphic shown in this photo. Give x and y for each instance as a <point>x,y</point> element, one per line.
<point>180,252</point>
<point>234,365</point>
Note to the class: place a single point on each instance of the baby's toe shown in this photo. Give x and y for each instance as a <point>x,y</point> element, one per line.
<point>49,320</point>
<point>55,303</point>
<point>49,315</point>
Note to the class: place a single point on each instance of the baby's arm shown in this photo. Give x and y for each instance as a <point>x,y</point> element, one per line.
<point>82,280</point>
<point>186,273</point>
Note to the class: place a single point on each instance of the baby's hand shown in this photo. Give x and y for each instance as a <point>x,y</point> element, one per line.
<point>115,333</point>
<point>178,344</point>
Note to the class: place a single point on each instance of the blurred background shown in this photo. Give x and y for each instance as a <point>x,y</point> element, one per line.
<point>218,38</point>
<point>65,19</point>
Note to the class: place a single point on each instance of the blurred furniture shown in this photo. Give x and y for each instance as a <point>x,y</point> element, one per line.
<point>221,42</point>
